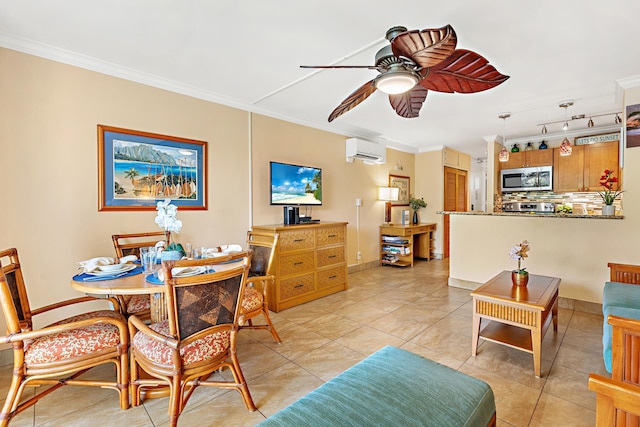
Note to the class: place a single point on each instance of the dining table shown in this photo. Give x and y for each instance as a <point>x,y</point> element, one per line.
<point>134,282</point>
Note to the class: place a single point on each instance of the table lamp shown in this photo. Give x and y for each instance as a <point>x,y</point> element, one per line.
<point>388,195</point>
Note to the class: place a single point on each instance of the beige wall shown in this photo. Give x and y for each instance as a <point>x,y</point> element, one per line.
<point>48,165</point>
<point>430,185</point>
<point>576,250</point>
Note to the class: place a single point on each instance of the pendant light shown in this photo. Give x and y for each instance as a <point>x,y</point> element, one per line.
<point>503,156</point>
<point>565,146</point>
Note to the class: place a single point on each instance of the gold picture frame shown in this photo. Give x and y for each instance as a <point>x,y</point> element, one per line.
<point>403,184</point>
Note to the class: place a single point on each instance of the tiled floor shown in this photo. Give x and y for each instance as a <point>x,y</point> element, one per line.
<point>409,308</point>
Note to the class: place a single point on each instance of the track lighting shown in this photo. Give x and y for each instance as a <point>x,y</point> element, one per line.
<point>590,122</point>
<point>565,146</point>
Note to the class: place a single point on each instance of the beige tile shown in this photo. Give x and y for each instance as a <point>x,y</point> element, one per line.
<point>329,360</point>
<point>570,384</point>
<point>580,359</point>
<point>515,402</point>
<point>104,415</point>
<point>366,340</point>
<point>281,387</point>
<point>331,326</point>
<point>587,322</point>
<point>554,411</point>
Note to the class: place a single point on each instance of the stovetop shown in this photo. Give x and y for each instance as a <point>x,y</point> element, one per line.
<point>539,207</point>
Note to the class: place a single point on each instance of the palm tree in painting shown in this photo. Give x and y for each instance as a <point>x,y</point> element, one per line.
<point>131,174</point>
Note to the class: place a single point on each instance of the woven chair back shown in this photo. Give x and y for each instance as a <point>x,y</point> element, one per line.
<point>204,301</point>
<point>16,308</point>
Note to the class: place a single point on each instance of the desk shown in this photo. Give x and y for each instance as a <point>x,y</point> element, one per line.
<point>403,243</point>
<point>518,316</point>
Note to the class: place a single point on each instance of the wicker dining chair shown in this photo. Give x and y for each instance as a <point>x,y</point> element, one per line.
<point>57,354</point>
<point>197,339</point>
<point>130,244</point>
<point>255,301</point>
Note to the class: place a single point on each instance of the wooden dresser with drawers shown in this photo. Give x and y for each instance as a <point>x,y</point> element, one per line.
<point>310,262</point>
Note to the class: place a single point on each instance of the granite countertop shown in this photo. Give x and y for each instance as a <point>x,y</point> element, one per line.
<point>532,214</point>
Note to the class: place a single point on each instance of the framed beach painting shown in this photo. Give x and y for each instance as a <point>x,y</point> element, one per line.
<point>402,182</point>
<point>137,169</point>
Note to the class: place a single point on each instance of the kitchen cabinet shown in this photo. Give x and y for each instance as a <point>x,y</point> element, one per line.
<point>526,159</point>
<point>310,262</point>
<point>581,171</point>
<point>456,159</point>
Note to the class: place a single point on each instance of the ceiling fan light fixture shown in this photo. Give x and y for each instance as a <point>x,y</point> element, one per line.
<point>395,82</point>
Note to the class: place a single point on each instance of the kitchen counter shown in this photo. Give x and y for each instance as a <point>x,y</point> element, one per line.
<point>532,214</point>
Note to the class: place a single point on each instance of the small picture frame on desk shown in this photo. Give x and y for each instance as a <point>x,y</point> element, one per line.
<point>405,218</point>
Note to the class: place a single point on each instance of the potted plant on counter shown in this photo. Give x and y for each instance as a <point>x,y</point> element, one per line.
<point>610,193</point>
<point>415,205</point>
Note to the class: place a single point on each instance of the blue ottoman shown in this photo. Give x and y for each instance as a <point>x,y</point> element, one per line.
<point>393,387</point>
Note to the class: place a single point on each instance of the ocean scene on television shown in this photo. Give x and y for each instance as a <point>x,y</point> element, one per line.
<point>295,185</point>
<point>146,171</point>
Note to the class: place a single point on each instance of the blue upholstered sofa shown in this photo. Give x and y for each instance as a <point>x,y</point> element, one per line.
<point>621,297</point>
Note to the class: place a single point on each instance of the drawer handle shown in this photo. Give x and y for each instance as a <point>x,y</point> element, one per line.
<point>332,277</point>
<point>298,240</point>
<point>333,235</point>
<point>299,286</point>
<point>332,256</point>
<point>298,263</point>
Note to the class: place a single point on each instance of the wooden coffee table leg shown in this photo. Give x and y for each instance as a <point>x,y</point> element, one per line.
<point>536,344</point>
<point>476,334</point>
<point>554,316</point>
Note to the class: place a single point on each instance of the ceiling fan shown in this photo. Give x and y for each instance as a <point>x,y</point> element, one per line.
<point>415,62</point>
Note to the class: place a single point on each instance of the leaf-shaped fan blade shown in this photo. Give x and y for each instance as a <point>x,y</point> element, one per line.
<point>362,93</point>
<point>426,47</point>
<point>463,72</point>
<point>408,104</point>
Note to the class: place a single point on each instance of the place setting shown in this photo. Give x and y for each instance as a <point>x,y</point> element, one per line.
<point>106,268</point>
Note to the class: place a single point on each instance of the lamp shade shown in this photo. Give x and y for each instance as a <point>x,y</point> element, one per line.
<point>388,194</point>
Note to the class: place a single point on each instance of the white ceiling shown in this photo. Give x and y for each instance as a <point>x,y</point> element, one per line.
<point>247,53</point>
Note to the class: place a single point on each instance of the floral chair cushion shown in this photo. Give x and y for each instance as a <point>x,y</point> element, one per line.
<point>137,303</point>
<point>199,350</point>
<point>252,300</point>
<point>76,342</point>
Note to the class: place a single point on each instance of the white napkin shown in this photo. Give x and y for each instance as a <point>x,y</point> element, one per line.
<point>92,264</point>
<point>231,248</point>
<point>128,258</point>
<point>174,271</point>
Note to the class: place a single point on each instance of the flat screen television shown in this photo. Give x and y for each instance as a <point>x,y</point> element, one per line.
<point>295,185</point>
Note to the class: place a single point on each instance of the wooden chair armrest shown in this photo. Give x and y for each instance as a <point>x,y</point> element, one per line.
<point>624,273</point>
<point>64,327</point>
<point>137,325</point>
<point>72,301</point>
<point>261,281</point>
<point>612,395</point>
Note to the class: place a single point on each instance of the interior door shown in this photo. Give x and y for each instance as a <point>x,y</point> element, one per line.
<point>455,199</point>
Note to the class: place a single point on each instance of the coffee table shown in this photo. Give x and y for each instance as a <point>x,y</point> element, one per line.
<point>517,317</point>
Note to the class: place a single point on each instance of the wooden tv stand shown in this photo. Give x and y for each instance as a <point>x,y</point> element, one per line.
<point>310,262</point>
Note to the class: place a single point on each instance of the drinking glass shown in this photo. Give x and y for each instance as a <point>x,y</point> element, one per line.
<point>198,253</point>
<point>148,258</point>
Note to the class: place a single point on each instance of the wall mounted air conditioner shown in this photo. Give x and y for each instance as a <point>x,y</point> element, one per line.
<point>367,151</point>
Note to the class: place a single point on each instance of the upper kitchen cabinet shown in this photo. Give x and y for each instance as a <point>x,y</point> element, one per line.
<point>581,171</point>
<point>525,159</point>
<point>456,159</point>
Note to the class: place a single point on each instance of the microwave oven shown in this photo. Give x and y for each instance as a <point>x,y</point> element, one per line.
<point>527,179</point>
